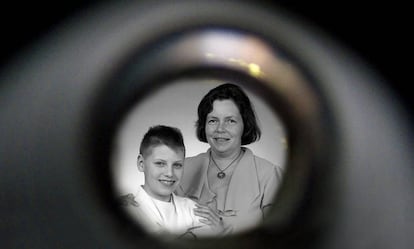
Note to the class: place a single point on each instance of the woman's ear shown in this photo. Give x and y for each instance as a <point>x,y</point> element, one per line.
<point>140,163</point>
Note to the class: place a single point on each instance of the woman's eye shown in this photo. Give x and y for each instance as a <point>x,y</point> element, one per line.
<point>231,121</point>
<point>212,121</point>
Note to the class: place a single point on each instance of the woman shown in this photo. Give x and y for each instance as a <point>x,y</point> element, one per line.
<point>234,187</point>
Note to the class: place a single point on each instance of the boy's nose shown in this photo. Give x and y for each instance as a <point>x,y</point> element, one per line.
<point>169,170</point>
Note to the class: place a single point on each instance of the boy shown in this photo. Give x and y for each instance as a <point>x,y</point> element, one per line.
<point>158,209</point>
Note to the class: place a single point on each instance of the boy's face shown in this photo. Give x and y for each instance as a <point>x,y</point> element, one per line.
<point>163,169</point>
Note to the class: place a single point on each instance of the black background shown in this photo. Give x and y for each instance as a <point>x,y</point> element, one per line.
<point>376,32</point>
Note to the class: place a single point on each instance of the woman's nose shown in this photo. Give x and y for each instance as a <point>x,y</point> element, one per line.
<point>220,126</point>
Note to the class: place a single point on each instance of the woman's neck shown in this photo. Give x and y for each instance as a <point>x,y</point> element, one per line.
<point>225,156</point>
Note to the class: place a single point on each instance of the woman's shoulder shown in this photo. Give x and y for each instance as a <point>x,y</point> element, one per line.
<point>259,161</point>
<point>199,157</point>
<point>196,162</point>
<point>263,165</point>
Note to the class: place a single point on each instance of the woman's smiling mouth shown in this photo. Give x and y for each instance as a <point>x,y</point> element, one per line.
<point>221,139</point>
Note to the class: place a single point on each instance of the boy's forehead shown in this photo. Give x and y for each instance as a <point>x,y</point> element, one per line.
<point>176,149</point>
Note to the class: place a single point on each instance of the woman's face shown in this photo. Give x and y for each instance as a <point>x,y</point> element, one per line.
<point>224,128</point>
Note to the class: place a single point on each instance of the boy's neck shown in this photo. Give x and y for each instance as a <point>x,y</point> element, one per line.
<point>166,199</point>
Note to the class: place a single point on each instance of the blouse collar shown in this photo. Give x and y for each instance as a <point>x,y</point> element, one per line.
<point>243,187</point>
<point>244,184</point>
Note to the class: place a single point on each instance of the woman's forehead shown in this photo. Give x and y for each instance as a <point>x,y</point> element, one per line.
<point>225,106</point>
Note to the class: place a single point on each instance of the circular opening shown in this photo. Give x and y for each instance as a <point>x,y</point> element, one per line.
<point>175,105</point>
<point>163,85</point>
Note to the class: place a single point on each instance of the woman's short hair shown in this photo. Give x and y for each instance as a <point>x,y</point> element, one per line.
<point>251,132</point>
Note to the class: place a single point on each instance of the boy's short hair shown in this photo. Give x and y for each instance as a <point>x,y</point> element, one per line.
<point>162,135</point>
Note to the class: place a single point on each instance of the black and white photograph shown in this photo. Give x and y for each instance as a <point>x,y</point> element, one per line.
<point>231,161</point>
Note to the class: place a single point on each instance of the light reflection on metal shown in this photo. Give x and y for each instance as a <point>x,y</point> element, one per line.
<point>254,70</point>
<point>249,54</point>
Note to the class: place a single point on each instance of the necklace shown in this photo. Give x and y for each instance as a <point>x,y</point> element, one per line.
<point>221,173</point>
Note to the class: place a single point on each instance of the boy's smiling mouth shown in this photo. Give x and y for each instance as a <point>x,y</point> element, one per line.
<point>167,182</point>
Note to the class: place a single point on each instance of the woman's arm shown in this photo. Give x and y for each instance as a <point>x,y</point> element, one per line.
<point>270,186</point>
<point>209,217</point>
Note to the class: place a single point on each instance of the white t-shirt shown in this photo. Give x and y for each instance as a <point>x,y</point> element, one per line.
<point>175,217</point>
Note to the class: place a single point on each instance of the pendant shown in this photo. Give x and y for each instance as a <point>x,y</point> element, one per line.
<point>221,175</point>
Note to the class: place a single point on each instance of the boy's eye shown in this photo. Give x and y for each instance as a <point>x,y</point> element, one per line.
<point>178,165</point>
<point>160,164</point>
